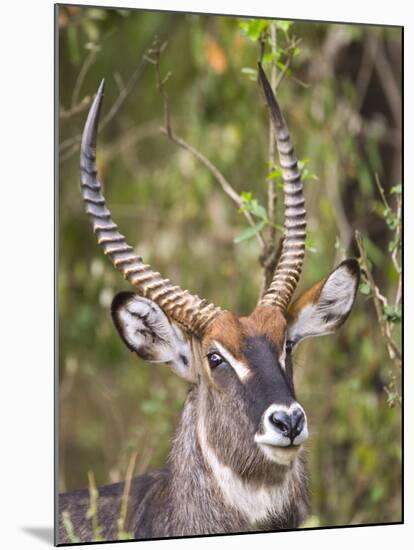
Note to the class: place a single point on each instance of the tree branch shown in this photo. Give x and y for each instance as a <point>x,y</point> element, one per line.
<point>387,79</point>
<point>71,145</point>
<point>154,58</point>
<point>397,238</point>
<point>64,114</point>
<point>379,302</point>
<point>87,64</point>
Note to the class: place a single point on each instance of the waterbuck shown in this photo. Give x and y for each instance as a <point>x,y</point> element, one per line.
<point>236,462</point>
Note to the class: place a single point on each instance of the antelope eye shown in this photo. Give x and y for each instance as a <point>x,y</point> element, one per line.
<point>214,360</point>
<point>289,346</point>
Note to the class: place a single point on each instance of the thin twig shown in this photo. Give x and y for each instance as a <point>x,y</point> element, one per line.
<point>397,264</point>
<point>365,70</point>
<point>87,64</point>
<point>77,105</point>
<point>68,525</point>
<point>92,513</point>
<point>293,44</point>
<point>129,139</point>
<point>394,255</point>
<point>388,81</point>
<point>397,235</point>
<point>119,81</point>
<point>282,73</point>
<point>381,191</point>
<point>341,218</point>
<point>379,301</point>
<point>154,58</point>
<point>124,93</point>
<point>76,109</point>
<point>69,152</point>
<point>69,143</point>
<point>125,496</point>
<point>69,147</point>
<point>224,183</point>
<point>145,458</point>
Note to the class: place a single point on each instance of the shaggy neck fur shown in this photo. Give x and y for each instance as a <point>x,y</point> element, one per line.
<point>197,493</point>
<point>211,498</point>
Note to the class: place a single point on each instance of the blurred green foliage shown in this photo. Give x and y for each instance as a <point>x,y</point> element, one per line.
<point>342,120</point>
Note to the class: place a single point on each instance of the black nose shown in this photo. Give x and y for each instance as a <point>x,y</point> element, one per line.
<point>290,425</point>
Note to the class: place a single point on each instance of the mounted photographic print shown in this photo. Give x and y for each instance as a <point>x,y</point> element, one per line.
<point>229,274</point>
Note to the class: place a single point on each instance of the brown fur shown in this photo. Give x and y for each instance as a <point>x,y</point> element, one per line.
<point>230,330</point>
<point>227,330</point>
<point>310,296</point>
<point>267,321</point>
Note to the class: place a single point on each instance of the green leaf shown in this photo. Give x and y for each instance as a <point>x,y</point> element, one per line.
<point>251,73</point>
<point>248,70</point>
<point>310,246</point>
<point>392,313</point>
<point>365,289</point>
<point>246,196</point>
<point>275,174</point>
<point>257,209</point>
<point>269,56</point>
<point>253,28</point>
<point>394,244</point>
<point>306,174</point>
<point>253,206</point>
<point>284,25</point>
<point>249,232</point>
<point>391,218</point>
<point>396,190</point>
<point>393,398</point>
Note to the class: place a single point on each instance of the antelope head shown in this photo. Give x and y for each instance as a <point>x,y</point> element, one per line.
<point>247,413</point>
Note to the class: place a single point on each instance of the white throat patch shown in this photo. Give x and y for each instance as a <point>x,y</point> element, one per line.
<point>254,503</point>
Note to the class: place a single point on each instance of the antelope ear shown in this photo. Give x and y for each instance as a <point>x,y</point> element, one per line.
<point>325,306</point>
<point>147,331</point>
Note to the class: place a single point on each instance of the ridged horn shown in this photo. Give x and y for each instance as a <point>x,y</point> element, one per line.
<point>289,267</point>
<point>190,311</point>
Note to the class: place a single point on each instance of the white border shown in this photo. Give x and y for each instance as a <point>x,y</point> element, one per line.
<point>26,45</point>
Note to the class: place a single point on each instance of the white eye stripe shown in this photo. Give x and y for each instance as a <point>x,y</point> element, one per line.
<point>282,357</point>
<point>242,371</point>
